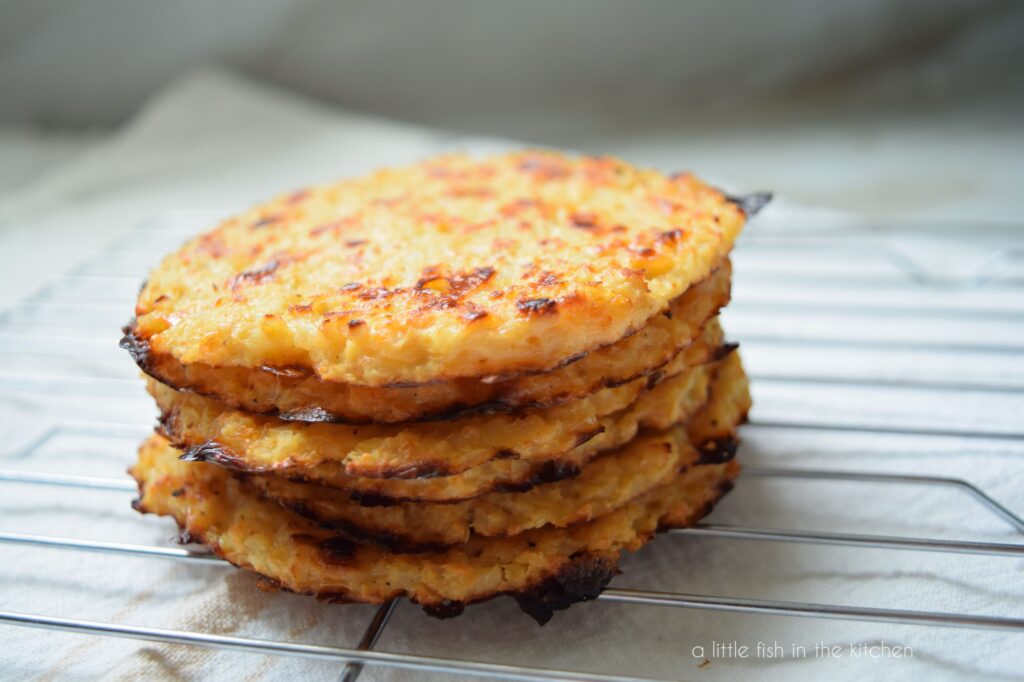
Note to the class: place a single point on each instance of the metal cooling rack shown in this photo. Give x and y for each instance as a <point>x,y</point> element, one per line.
<point>856,278</point>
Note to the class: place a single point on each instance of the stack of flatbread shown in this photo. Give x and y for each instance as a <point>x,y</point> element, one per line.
<point>456,380</point>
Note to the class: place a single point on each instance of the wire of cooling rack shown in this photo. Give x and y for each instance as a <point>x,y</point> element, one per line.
<point>26,331</point>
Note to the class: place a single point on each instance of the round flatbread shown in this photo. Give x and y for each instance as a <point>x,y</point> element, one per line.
<point>453,268</point>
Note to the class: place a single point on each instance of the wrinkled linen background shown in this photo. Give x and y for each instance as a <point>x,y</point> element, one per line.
<point>212,144</point>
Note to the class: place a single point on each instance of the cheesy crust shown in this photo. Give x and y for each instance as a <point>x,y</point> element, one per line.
<point>452,268</point>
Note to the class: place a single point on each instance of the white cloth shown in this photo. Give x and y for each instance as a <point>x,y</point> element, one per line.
<point>213,144</point>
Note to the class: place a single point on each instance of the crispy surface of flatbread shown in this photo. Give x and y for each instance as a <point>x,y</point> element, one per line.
<point>453,267</point>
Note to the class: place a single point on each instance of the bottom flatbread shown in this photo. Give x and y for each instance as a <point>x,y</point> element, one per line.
<point>545,569</point>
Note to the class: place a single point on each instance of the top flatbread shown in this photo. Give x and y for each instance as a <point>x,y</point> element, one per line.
<point>455,267</point>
